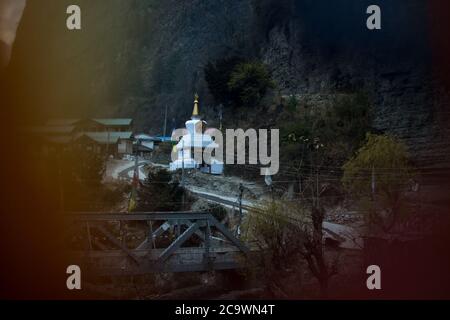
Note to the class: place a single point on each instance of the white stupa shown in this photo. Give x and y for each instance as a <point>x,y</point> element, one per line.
<point>195,141</point>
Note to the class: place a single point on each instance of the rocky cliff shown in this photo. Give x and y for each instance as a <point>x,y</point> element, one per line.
<point>318,50</point>
<point>134,57</point>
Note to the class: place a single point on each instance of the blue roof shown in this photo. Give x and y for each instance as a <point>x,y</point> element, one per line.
<point>164,139</point>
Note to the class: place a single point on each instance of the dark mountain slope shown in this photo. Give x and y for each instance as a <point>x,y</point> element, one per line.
<point>133,57</point>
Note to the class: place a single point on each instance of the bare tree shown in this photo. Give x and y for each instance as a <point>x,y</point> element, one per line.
<point>313,252</point>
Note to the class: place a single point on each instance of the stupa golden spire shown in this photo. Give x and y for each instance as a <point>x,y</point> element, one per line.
<point>195,113</point>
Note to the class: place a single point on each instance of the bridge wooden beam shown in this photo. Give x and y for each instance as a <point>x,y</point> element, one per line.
<point>111,238</point>
<point>178,242</point>
<point>148,241</point>
<point>164,227</point>
<point>138,216</point>
<point>228,234</point>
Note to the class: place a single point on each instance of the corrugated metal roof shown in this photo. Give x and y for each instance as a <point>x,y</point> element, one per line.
<point>103,121</point>
<point>143,136</point>
<point>106,137</point>
<point>115,121</point>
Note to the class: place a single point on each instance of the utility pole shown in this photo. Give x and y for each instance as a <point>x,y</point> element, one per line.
<point>182,172</point>
<point>241,192</point>
<point>220,116</point>
<point>136,159</point>
<point>269,182</point>
<point>177,226</point>
<point>165,122</point>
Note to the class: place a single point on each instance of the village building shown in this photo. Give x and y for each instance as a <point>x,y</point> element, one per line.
<point>144,144</point>
<point>110,143</point>
<point>195,141</point>
<point>112,136</point>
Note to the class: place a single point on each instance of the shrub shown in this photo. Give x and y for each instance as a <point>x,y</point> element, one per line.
<point>237,82</point>
<point>379,171</point>
<point>217,75</point>
<point>287,232</point>
<point>159,193</point>
<point>250,82</point>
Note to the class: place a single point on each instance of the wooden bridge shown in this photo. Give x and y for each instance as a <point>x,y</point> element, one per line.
<point>193,241</point>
